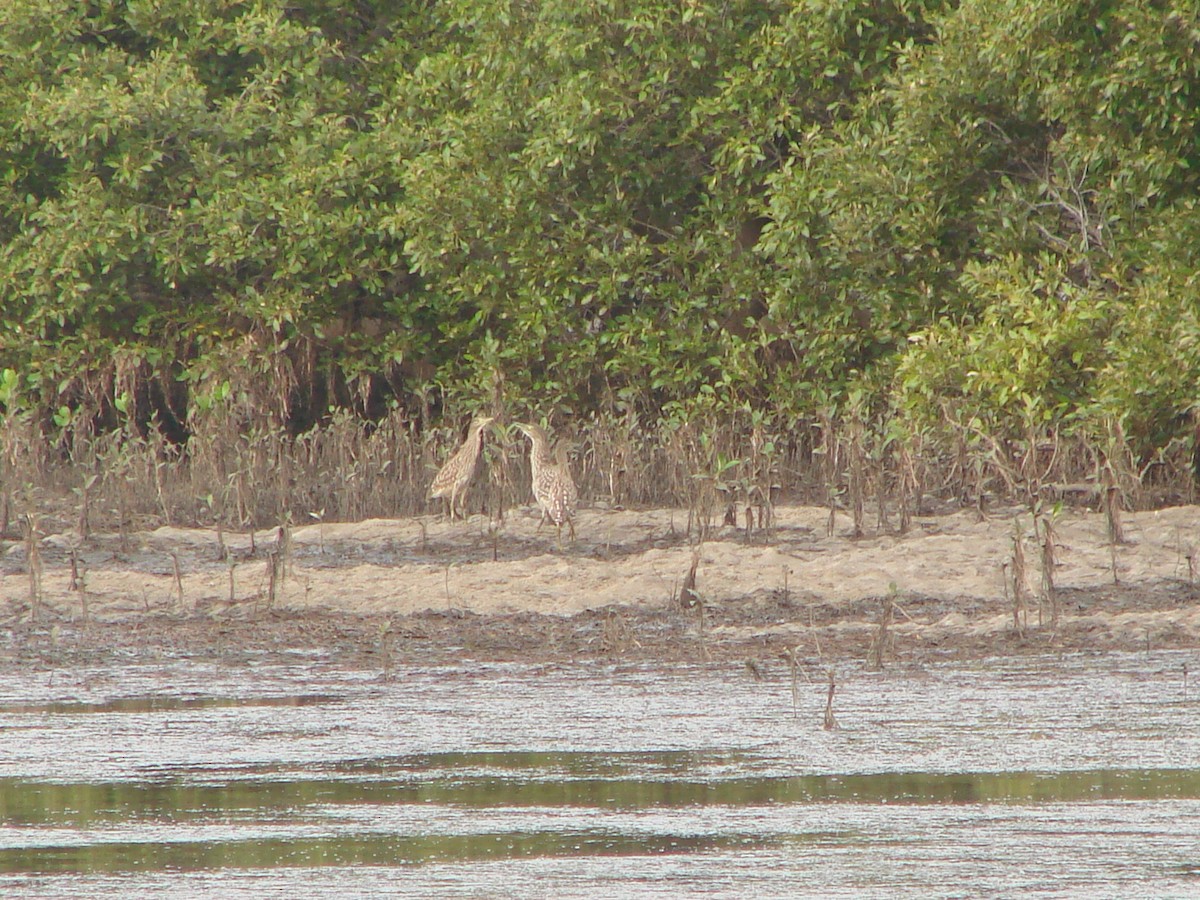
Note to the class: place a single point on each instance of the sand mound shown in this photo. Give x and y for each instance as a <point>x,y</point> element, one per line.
<point>948,571</point>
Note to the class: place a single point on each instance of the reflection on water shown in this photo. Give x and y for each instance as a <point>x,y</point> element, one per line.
<point>353,850</point>
<point>484,781</point>
<point>508,784</point>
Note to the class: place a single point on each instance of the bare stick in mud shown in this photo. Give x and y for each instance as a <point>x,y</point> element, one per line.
<point>1111,499</point>
<point>688,597</point>
<point>33,560</point>
<point>1019,583</point>
<point>283,548</point>
<point>178,576</point>
<point>1049,545</point>
<point>830,721</point>
<point>386,647</point>
<point>879,646</point>
<point>274,576</point>
<point>83,597</point>
<point>85,502</point>
<point>857,482</point>
<point>792,655</point>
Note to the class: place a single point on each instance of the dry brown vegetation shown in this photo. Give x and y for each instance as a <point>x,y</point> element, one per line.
<point>237,475</point>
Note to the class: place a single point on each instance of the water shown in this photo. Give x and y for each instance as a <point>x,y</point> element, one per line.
<point>1039,777</point>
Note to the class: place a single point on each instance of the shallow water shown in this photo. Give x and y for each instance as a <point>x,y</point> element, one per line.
<point>1049,777</point>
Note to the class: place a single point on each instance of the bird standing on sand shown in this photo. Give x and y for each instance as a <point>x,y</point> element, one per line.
<point>455,476</point>
<point>553,488</point>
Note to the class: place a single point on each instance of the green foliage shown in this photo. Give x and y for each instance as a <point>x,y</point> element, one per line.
<point>1029,362</point>
<point>1152,362</point>
<point>181,175</point>
<point>981,211</point>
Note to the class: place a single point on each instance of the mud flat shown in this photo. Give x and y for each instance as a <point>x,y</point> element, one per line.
<point>380,593</point>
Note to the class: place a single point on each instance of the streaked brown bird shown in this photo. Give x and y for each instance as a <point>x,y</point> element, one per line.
<point>553,488</point>
<point>454,477</point>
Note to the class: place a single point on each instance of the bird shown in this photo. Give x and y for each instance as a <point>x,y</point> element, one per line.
<point>553,488</point>
<point>455,475</point>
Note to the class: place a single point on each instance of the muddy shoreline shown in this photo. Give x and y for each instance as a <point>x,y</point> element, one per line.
<point>385,594</point>
<point>760,632</point>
